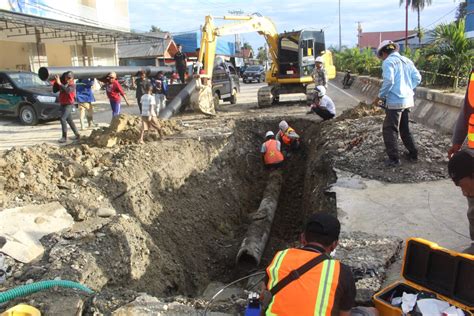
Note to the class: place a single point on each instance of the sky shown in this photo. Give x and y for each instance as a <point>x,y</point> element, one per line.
<point>178,16</point>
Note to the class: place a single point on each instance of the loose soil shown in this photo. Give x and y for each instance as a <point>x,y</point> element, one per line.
<point>183,202</point>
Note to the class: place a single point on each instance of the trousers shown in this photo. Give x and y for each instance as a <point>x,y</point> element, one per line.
<point>397,122</point>
<point>66,118</point>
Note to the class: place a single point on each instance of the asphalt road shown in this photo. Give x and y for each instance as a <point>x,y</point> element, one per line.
<point>13,133</point>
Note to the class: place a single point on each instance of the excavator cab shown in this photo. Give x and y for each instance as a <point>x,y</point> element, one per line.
<point>297,51</point>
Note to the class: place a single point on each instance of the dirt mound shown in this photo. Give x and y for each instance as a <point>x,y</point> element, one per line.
<point>357,146</point>
<point>361,110</point>
<point>125,129</point>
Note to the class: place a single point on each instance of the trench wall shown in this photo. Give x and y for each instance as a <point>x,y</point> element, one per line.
<point>433,108</point>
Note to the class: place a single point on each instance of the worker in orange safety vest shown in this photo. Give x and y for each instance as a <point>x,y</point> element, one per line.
<point>307,281</point>
<point>465,123</point>
<point>271,152</point>
<point>288,136</point>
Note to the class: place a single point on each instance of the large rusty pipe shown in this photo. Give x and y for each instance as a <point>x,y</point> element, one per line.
<point>255,240</point>
<point>175,104</point>
<point>48,73</point>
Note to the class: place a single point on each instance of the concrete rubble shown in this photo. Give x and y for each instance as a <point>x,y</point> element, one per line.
<point>23,227</point>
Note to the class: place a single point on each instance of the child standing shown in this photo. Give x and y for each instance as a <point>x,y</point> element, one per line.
<point>114,93</point>
<point>148,113</point>
<point>159,88</point>
<point>85,97</point>
<point>67,94</point>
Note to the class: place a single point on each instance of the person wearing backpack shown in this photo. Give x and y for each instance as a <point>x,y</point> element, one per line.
<point>293,273</point>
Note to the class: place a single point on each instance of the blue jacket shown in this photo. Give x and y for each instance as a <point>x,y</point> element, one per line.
<point>400,77</point>
<point>164,85</point>
<point>84,90</point>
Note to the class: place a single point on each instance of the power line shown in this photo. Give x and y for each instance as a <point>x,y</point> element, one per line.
<point>441,17</point>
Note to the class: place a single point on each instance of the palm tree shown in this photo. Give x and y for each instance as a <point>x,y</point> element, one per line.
<point>418,6</point>
<point>452,45</point>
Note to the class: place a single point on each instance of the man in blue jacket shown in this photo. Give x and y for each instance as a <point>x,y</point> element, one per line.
<point>400,78</point>
<point>85,97</point>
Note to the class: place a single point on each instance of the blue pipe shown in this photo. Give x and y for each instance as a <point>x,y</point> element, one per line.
<point>28,289</point>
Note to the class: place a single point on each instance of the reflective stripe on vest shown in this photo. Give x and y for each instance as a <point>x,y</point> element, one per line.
<point>272,155</point>
<point>470,101</point>
<point>284,136</point>
<point>313,294</point>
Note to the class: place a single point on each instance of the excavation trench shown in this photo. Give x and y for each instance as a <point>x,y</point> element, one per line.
<point>187,225</point>
<point>184,205</point>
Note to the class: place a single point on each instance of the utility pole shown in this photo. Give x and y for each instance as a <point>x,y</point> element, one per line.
<point>340,39</point>
<point>406,25</point>
<point>238,43</point>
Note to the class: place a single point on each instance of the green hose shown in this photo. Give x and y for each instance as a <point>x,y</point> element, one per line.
<point>28,289</point>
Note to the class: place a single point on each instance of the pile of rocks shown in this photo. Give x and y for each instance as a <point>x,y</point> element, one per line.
<point>356,145</point>
<point>125,129</point>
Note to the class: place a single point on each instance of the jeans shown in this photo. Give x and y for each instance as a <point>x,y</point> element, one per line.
<point>66,118</point>
<point>396,121</point>
<point>323,113</point>
<point>115,105</point>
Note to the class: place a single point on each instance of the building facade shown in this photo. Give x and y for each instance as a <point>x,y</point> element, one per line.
<point>36,33</point>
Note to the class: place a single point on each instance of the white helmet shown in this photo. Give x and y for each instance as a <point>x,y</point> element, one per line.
<point>283,125</point>
<point>321,90</point>
<point>319,59</point>
<point>269,133</point>
<point>386,43</point>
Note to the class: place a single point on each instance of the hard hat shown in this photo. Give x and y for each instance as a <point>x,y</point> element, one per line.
<point>283,125</point>
<point>386,43</point>
<point>321,90</point>
<point>269,133</point>
<point>319,59</point>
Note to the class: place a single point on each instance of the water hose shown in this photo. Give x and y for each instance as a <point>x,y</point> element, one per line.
<point>28,289</point>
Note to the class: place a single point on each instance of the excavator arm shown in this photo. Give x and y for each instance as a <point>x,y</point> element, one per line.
<point>245,24</point>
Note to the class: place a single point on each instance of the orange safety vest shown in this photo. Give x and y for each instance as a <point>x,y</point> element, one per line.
<point>284,136</point>
<point>470,101</point>
<point>272,155</point>
<point>312,294</point>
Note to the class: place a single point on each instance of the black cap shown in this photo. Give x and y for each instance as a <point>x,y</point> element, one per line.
<point>323,224</point>
<point>461,165</point>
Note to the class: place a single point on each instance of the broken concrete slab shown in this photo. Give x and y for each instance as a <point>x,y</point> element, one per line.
<point>23,227</point>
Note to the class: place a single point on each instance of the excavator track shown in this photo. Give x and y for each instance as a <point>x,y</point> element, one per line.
<point>310,93</point>
<point>265,97</point>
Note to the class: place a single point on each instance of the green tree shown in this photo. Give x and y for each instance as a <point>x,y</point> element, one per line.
<point>247,46</point>
<point>454,48</point>
<point>418,6</point>
<point>461,11</point>
<point>154,29</point>
<point>262,55</point>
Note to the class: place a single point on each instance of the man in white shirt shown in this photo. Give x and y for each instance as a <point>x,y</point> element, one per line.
<point>323,104</point>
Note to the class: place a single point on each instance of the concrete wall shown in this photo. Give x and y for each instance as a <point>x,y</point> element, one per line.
<point>58,54</point>
<point>15,56</point>
<point>433,108</point>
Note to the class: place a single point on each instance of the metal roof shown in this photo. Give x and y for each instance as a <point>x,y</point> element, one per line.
<point>156,49</point>
<point>21,25</point>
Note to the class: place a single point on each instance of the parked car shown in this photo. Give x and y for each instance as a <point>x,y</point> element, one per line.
<point>225,83</point>
<point>254,73</point>
<point>26,96</point>
<point>225,86</point>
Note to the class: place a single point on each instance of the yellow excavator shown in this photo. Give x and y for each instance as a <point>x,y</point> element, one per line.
<point>292,54</point>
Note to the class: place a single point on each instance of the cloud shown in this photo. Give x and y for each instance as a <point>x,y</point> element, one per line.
<point>185,15</point>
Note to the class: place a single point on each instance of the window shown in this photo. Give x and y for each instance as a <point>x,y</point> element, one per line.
<point>232,70</point>
<point>26,79</point>
<point>5,84</point>
<point>308,48</point>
